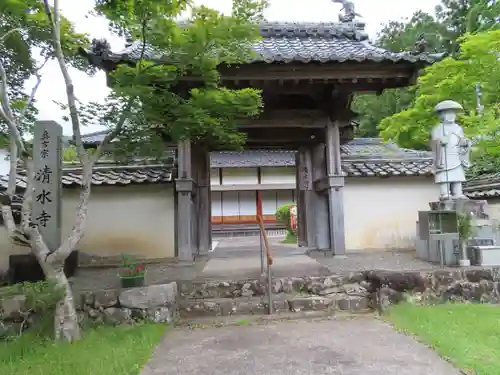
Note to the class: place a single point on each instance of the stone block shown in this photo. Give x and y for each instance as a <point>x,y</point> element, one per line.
<point>149,296</point>
<point>117,316</point>
<point>12,308</point>
<point>161,314</point>
<point>310,303</point>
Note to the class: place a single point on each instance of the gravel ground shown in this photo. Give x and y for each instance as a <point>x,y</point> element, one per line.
<point>246,248</point>
<point>369,260</point>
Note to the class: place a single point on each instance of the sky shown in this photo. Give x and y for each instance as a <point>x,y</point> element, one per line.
<point>374,13</point>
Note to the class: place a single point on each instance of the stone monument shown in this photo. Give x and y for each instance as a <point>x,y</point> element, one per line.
<point>46,211</point>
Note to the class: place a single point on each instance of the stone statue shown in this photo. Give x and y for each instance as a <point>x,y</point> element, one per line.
<point>349,11</point>
<point>450,151</point>
<point>100,46</point>
<point>421,45</point>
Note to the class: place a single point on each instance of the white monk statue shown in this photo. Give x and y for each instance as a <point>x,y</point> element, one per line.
<point>450,151</point>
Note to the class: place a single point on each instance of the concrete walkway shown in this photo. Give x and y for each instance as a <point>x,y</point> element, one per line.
<point>358,346</point>
<point>240,258</point>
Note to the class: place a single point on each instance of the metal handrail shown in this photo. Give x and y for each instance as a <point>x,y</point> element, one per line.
<point>264,243</point>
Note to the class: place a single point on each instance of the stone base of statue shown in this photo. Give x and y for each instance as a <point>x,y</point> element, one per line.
<point>477,208</point>
<point>438,239</point>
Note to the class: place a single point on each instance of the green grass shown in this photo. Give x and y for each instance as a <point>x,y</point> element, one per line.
<point>468,335</point>
<point>290,238</point>
<point>103,351</point>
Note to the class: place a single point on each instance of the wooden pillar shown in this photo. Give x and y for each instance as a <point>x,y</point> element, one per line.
<point>319,200</point>
<point>184,186</point>
<point>335,189</point>
<point>304,199</point>
<point>201,161</point>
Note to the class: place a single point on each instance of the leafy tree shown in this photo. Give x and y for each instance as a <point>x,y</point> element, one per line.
<point>148,94</point>
<point>467,16</point>
<point>396,36</point>
<point>25,33</point>
<point>452,20</point>
<point>455,78</point>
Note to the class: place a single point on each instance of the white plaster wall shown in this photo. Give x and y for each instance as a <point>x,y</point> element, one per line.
<point>269,202</point>
<point>214,176</point>
<point>277,175</point>
<point>239,176</point>
<point>493,208</point>
<point>216,203</point>
<point>230,203</point>
<point>247,203</point>
<point>381,213</point>
<point>273,199</point>
<point>137,220</point>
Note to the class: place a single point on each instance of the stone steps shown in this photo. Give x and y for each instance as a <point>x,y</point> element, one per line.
<point>317,285</point>
<point>282,303</point>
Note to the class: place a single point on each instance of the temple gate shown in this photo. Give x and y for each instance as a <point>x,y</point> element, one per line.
<point>308,74</point>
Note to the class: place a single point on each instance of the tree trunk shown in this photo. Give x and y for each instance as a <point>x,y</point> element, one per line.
<point>66,319</point>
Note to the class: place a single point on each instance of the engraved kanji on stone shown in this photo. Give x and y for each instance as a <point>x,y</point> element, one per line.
<point>43,218</point>
<point>43,175</point>
<point>44,197</point>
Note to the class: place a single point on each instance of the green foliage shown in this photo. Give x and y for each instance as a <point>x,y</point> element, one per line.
<point>396,36</point>
<point>291,238</point>
<point>441,32</point>
<point>160,105</point>
<point>104,351</point>
<point>283,216</point>
<point>41,299</point>
<point>465,227</point>
<point>69,154</point>
<point>454,78</point>
<point>461,333</point>
<point>19,49</point>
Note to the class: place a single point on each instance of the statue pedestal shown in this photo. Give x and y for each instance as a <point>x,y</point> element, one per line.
<point>477,208</point>
<point>438,237</point>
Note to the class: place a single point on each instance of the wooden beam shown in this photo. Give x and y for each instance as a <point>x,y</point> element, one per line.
<point>296,86</point>
<point>312,71</point>
<point>287,119</point>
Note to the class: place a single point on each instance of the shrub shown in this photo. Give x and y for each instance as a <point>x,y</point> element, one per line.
<point>30,305</point>
<point>283,216</point>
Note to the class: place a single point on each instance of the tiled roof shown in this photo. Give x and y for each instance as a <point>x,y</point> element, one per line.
<point>108,175</point>
<point>360,157</point>
<point>94,138</point>
<point>483,187</point>
<point>300,42</point>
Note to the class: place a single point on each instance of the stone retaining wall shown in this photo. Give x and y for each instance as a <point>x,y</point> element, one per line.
<point>156,303</point>
<point>353,292</point>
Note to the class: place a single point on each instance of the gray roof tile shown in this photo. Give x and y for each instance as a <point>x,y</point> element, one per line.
<point>483,187</point>
<point>108,175</point>
<point>103,176</point>
<point>301,42</point>
<point>360,157</point>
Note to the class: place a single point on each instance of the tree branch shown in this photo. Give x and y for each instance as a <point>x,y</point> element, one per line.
<point>31,98</point>
<point>70,89</point>
<point>126,111</point>
<point>4,36</point>
<point>27,196</point>
<point>6,113</point>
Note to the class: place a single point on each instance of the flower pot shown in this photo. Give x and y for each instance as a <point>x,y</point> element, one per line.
<point>132,281</point>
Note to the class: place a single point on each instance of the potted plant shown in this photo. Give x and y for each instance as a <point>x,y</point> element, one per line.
<point>131,272</point>
<point>465,232</point>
